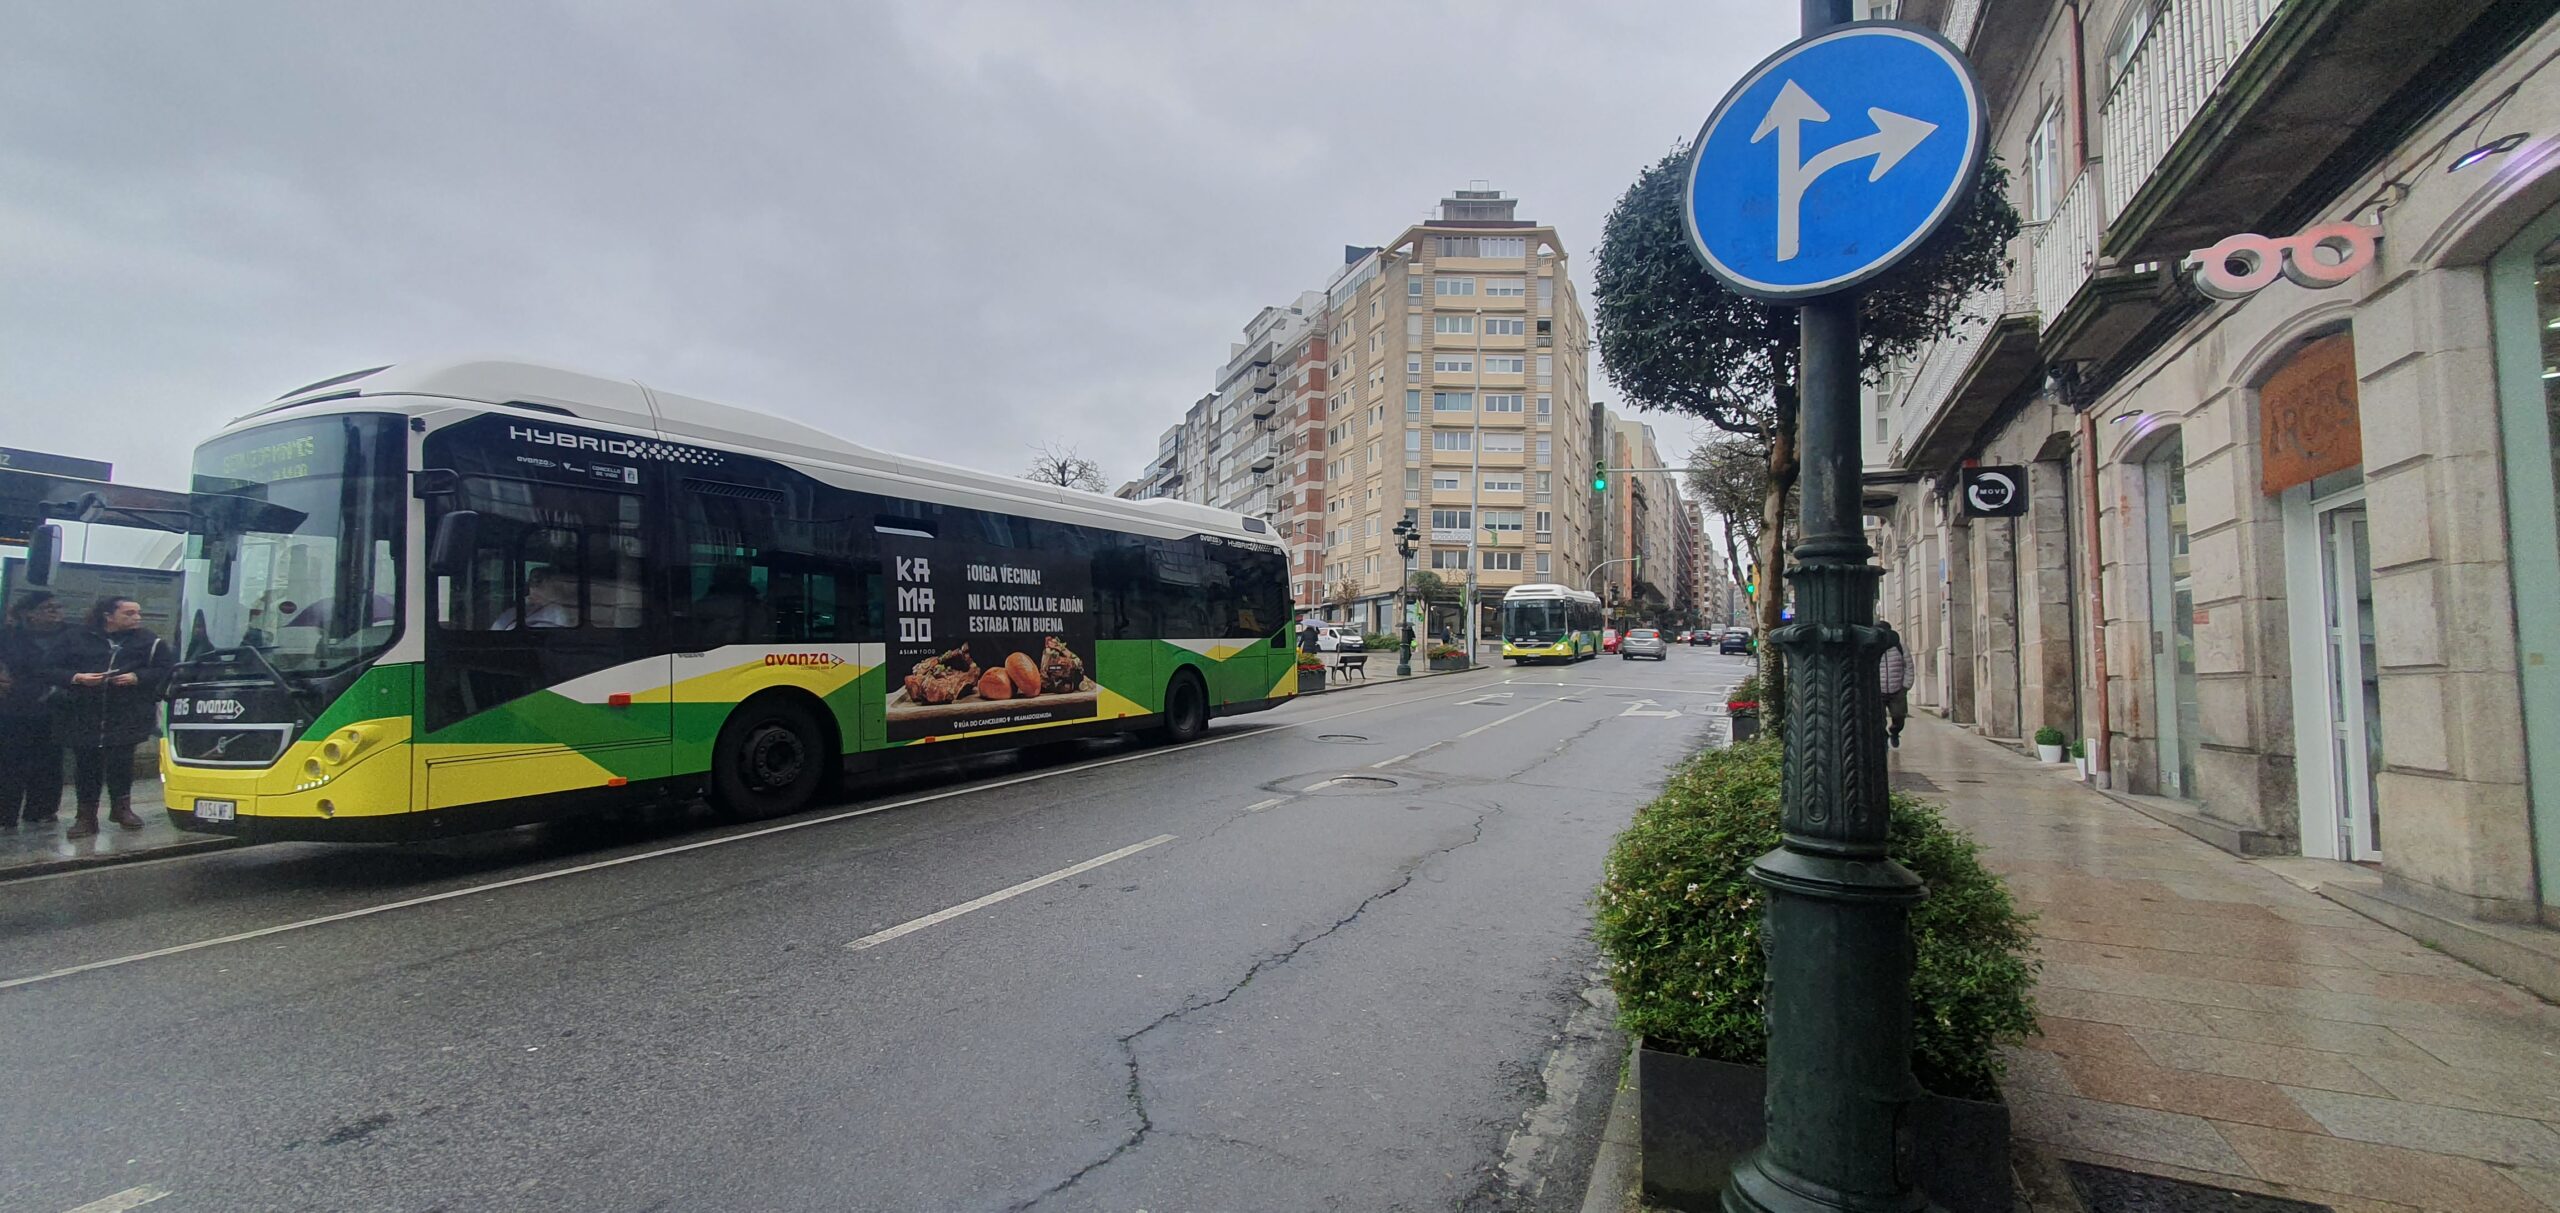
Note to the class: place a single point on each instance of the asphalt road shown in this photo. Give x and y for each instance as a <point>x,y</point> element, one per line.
<point>1334,956</point>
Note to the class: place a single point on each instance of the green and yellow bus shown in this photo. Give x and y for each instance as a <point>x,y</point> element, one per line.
<point>1550,623</point>
<point>427,599</point>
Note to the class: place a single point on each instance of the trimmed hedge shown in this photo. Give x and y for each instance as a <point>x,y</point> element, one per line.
<point>1679,917</point>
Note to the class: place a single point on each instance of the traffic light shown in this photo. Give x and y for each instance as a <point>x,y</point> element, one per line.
<point>1751,580</point>
<point>1599,475</point>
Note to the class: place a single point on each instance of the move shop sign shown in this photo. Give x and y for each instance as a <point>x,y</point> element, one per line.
<point>1994,492</point>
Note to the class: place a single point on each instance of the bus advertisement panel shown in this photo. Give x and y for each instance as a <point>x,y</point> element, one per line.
<point>985,638</point>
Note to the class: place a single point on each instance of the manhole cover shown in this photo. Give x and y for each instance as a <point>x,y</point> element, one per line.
<point>1353,784</point>
<point>1345,737</point>
<point>1914,781</point>
<point>2108,1190</point>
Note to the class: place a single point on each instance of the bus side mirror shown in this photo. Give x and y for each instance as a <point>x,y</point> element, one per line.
<point>457,533</point>
<point>44,547</point>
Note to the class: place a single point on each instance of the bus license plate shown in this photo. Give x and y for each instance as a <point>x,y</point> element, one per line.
<point>215,810</point>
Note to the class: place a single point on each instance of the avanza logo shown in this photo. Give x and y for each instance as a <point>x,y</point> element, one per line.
<point>802,659</point>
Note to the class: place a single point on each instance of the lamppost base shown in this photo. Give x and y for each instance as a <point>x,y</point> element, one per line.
<point>1761,1186</point>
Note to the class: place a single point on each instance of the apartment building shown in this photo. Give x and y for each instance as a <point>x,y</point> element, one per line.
<point>2280,539</point>
<point>1460,389</point>
<point>1645,560</point>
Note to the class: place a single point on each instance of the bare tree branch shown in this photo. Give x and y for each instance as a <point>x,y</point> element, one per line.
<point>1064,467</point>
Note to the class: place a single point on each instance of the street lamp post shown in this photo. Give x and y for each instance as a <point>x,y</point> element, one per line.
<point>1404,589</point>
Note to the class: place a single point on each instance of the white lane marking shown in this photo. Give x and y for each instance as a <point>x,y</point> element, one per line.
<point>130,1198</point>
<point>723,840</point>
<point>1547,703</point>
<point>1497,695</point>
<point>1641,706</point>
<point>1260,805</point>
<point>1611,686</point>
<point>912,926</point>
<point>1318,787</point>
<point>1389,762</point>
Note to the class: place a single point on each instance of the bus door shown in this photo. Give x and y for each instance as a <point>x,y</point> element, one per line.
<point>547,671</point>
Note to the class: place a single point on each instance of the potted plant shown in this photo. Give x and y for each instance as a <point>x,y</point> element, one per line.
<point>1447,657</point>
<point>1310,673</point>
<point>1742,707</point>
<point>2080,756</point>
<point>2048,744</point>
<point>1679,918</point>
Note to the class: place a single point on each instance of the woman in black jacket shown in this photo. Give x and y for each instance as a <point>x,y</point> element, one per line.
<point>111,674</point>
<point>30,762</point>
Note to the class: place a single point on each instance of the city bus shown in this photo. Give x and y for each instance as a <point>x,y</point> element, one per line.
<point>428,599</point>
<point>1550,623</point>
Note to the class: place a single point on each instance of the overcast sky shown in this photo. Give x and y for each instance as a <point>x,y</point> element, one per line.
<point>949,228</point>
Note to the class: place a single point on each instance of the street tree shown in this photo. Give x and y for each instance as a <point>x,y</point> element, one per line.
<point>1344,592</point>
<point>1729,474</point>
<point>1064,467</point>
<point>1675,339</point>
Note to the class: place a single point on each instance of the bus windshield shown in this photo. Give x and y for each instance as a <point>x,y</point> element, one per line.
<point>1540,621</point>
<point>294,543</point>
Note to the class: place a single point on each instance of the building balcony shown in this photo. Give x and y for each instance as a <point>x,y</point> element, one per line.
<point>1964,377</point>
<point>2087,311</point>
<point>2240,115</point>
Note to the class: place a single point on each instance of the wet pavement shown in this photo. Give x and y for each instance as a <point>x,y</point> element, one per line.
<point>40,848</point>
<point>2208,1019</point>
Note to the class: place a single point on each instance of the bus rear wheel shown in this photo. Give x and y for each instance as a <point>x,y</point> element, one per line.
<point>771,760</point>
<point>1186,710</point>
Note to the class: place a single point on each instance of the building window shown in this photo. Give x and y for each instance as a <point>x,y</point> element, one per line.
<point>1452,440</point>
<point>1412,288</point>
<point>1373,309</point>
<point>1543,449</point>
<point>1413,326</point>
<point>1508,288</point>
<point>1448,482</point>
<point>1542,564</point>
<point>1502,560</point>
<point>1504,444</point>
<point>1452,520</point>
<point>1546,294</point>
<point>1500,403</point>
<point>1374,339</point>
<point>1546,368</point>
<point>1413,480</point>
<point>1501,326</point>
<point>1546,523</point>
<point>2043,170</point>
<point>2135,27</point>
<point>1546,406</point>
<point>1453,324</point>
<point>1412,367</point>
<point>1504,366</point>
<point>1497,482</point>
<point>1377,416</point>
<point>1413,442</point>
<point>1452,402</point>
<point>1441,559</point>
<point>1454,286</point>
<point>1453,364</point>
<point>1502,520</point>
<point>1413,400</point>
<point>1546,488</point>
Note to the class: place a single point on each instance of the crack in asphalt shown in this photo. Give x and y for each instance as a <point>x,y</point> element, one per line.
<point>1136,1093</point>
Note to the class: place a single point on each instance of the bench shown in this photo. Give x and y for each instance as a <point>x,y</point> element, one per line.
<point>1347,664</point>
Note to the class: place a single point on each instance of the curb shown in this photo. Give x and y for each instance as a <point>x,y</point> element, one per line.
<point>109,859</point>
<point>1389,680</point>
<point>1618,1168</point>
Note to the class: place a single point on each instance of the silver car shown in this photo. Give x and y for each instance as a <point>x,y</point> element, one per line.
<point>1644,642</point>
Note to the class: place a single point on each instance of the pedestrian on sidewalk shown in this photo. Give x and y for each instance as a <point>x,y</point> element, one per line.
<point>1894,673</point>
<point>30,761</point>
<point>111,674</point>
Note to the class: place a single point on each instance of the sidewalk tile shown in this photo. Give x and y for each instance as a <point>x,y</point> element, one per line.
<point>2328,1035</point>
<point>2212,1096</point>
<point>2433,1082</point>
<point>2256,973</point>
<point>2056,1034</point>
<point>2339,1201</point>
<point>2102,979</point>
<point>2143,1133</point>
<point>2126,1010</point>
<point>2036,1070</point>
<point>2430,1181</point>
<point>2538,1058</point>
<point>2464,990</point>
<point>2482,1135</point>
<point>2542,1183</point>
<point>2250,1059</point>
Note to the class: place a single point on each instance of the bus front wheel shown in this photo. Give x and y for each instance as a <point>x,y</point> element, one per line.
<point>1186,710</point>
<point>770,761</point>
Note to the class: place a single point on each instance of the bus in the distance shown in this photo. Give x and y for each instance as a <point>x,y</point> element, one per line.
<point>1550,623</point>
<point>427,599</point>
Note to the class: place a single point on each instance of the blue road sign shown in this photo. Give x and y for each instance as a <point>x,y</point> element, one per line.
<point>1832,159</point>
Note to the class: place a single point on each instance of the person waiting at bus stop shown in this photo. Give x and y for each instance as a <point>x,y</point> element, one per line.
<point>111,674</point>
<point>30,761</point>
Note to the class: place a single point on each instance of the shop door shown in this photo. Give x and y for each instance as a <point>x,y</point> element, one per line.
<point>2354,691</point>
<point>2173,626</point>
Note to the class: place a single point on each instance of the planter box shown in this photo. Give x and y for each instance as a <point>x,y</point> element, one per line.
<point>1700,1117</point>
<point>1449,663</point>
<point>1746,725</point>
<point>1310,683</point>
<point>2049,753</point>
